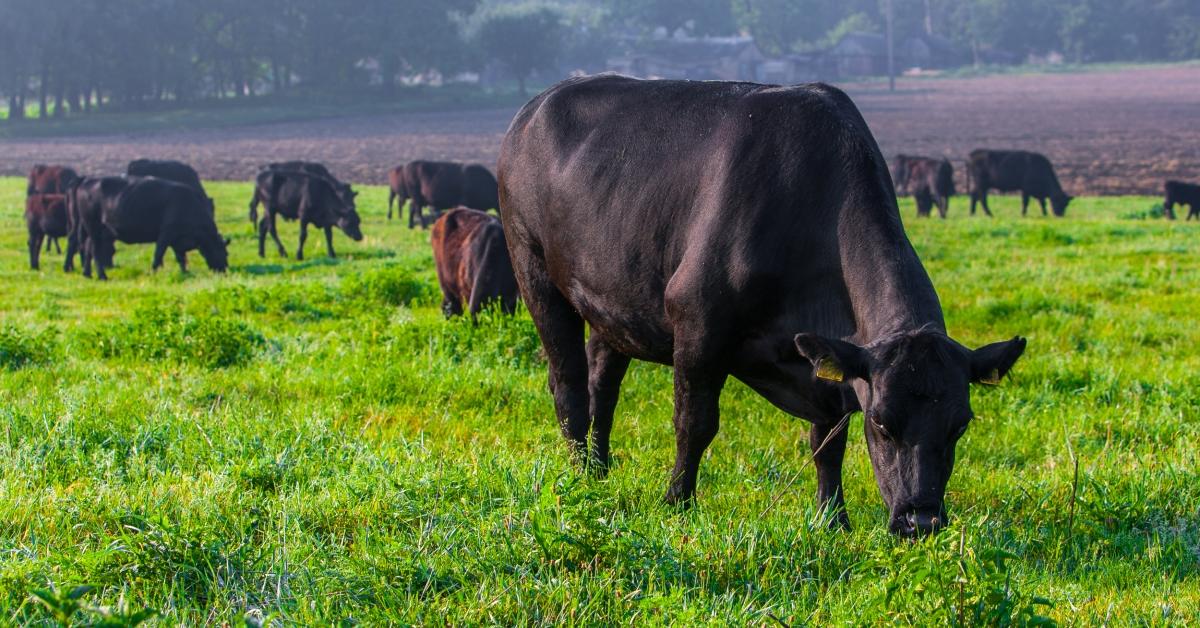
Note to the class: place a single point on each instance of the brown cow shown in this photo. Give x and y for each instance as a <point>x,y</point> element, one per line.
<point>46,219</point>
<point>472,262</point>
<point>49,179</point>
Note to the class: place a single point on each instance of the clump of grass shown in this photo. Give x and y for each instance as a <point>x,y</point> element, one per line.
<point>161,331</point>
<point>1154,212</point>
<point>21,348</point>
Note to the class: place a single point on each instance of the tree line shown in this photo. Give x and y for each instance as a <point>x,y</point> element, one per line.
<point>60,57</point>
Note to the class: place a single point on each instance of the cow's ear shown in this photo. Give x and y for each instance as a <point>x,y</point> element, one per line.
<point>832,359</point>
<point>989,364</point>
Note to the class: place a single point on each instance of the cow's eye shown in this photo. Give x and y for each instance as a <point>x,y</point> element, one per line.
<point>873,417</point>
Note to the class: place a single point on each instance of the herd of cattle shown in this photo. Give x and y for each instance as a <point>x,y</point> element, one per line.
<point>164,203</point>
<point>767,248</point>
<point>930,182</point>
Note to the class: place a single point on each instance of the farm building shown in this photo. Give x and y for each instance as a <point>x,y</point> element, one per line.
<point>705,58</point>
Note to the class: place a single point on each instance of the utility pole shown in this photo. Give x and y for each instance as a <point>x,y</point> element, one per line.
<point>928,18</point>
<point>891,48</point>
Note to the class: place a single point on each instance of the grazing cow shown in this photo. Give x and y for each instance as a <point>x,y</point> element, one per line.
<point>768,248</point>
<point>176,171</point>
<point>472,262</point>
<point>148,210</point>
<point>929,181</point>
<point>311,199</point>
<point>445,185</point>
<point>46,219</point>
<point>49,179</point>
<point>344,190</point>
<point>1015,170</point>
<point>1180,193</point>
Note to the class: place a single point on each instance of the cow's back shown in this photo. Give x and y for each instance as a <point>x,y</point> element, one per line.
<point>636,194</point>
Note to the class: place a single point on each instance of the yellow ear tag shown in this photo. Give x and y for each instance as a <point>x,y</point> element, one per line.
<point>993,379</point>
<point>829,371</point>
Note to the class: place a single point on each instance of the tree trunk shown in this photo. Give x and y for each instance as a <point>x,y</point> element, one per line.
<point>928,17</point>
<point>43,97</point>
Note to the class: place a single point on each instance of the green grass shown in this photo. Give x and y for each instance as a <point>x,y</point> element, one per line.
<point>311,443</point>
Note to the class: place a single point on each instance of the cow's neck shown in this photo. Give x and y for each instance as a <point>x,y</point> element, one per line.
<point>888,288</point>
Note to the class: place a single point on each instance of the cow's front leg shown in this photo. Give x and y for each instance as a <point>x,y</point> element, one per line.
<point>303,237</point>
<point>829,449</point>
<point>329,242</point>
<point>275,234</point>
<point>160,250</point>
<point>697,418</point>
<point>181,258</point>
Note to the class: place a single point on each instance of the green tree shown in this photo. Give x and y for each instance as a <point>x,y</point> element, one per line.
<point>525,38</point>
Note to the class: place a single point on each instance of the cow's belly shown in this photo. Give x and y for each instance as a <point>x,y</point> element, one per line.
<point>631,320</point>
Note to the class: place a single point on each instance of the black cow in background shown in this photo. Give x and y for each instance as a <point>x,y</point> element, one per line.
<point>344,191</point>
<point>176,171</point>
<point>442,186</point>
<point>170,170</point>
<point>930,182</point>
<point>1015,170</point>
<point>308,198</point>
<point>149,210</point>
<point>1180,193</point>
<point>765,245</point>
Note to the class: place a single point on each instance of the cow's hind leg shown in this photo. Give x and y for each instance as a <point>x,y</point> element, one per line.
<point>561,330</point>
<point>1025,204</point>
<point>303,237</point>
<point>983,202</point>
<point>1042,202</point>
<point>829,449</point>
<point>1193,212</point>
<point>606,369</point>
<point>181,258</point>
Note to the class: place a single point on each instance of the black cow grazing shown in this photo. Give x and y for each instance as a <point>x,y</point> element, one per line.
<point>930,182</point>
<point>444,185</point>
<point>311,199</point>
<point>472,262</point>
<point>46,219</point>
<point>765,244</point>
<point>344,190</point>
<point>148,210</point>
<point>176,171</point>
<point>1015,170</point>
<point>45,179</point>
<point>1180,193</point>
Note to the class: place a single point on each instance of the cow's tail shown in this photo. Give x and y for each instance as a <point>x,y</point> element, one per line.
<point>254,208</point>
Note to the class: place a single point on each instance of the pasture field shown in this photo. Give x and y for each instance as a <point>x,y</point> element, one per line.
<point>310,442</point>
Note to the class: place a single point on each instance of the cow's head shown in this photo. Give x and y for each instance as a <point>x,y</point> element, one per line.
<point>348,222</point>
<point>1059,202</point>
<point>347,195</point>
<point>216,253</point>
<point>914,391</point>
